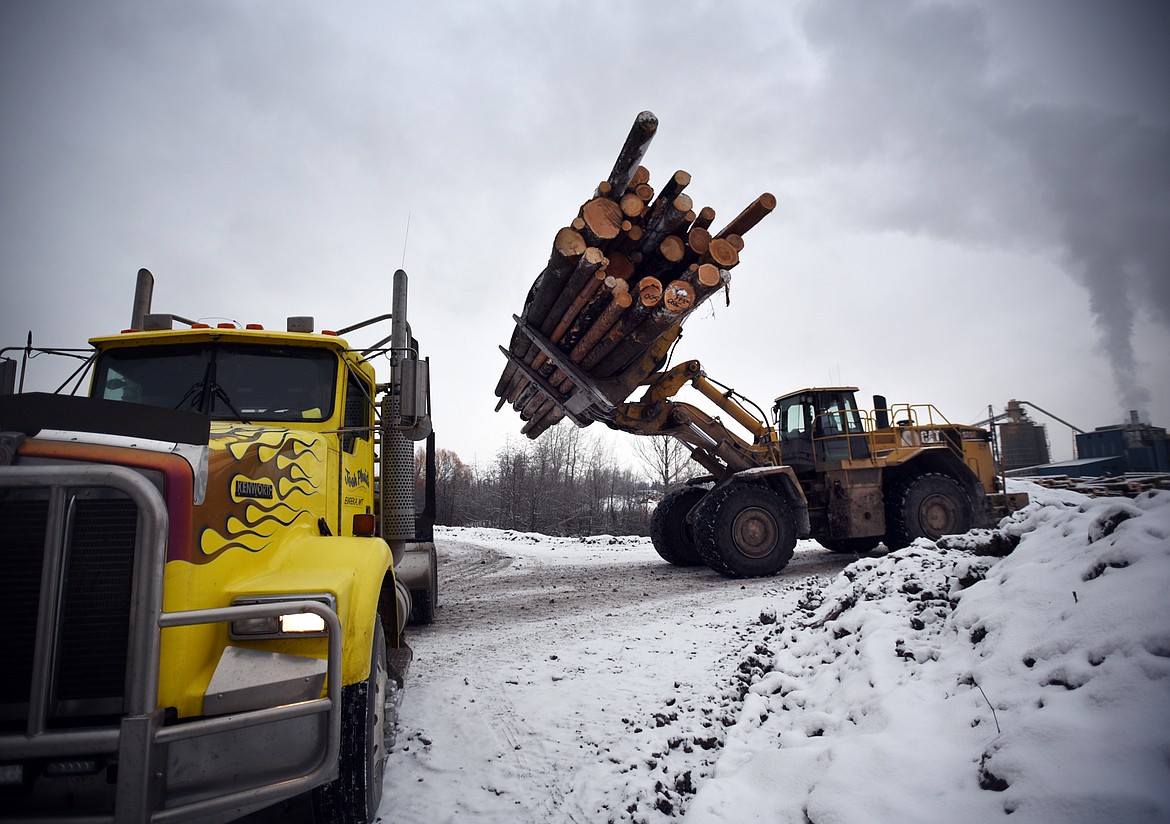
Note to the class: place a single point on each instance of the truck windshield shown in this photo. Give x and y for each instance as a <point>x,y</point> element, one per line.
<point>225,381</point>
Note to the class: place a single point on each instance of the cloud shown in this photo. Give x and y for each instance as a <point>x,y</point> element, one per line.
<point>911,112</point>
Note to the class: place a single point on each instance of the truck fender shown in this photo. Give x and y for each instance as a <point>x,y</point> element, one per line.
<point>353,570</point>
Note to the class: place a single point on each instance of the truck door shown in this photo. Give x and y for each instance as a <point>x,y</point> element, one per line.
<point>794,420</point>
<point>357,453</point>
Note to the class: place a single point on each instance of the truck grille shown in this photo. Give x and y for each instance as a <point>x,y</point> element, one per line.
<point>89,641</point>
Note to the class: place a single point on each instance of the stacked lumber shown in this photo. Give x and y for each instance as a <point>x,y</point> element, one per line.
<point>1129,485</point>
<point>621,278</point>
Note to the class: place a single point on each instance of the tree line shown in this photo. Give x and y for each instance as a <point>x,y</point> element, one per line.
<point>566,482</point>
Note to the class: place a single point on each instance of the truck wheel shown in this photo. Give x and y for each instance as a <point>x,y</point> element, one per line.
<point>670,533</point>
<point>929,505</point>
<point>353,797</point>
<point>424,602</point>
<point>745,530</point>
<point>849,546</point>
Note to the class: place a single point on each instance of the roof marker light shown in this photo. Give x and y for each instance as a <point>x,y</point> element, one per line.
<point>225,326</point>
<point>328,332</point>
<point>254,326</point>
<point>200,326</point>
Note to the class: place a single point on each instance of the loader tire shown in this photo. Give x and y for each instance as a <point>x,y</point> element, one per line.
<point>670,533</point>
<point>929,505</point>
<point>353,797</point>
<point>745,530</point>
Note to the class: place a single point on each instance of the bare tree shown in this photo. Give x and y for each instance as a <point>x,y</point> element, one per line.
<point>665,457</point>
<point>564,483</point>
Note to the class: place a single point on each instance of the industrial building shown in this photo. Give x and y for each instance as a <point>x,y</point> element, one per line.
<point>1130,447</point>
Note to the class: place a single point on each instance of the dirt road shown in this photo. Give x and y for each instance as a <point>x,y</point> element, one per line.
<point>576,680</point>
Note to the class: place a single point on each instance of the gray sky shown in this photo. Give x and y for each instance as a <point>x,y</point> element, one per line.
<point>974,198</point>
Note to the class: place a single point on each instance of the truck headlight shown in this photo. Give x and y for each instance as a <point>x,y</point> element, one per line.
<point>288,625</point>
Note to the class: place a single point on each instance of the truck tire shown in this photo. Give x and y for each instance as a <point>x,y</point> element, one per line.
<point>425,601</point>
<point>745,530</point>
<point>353,797</point>
<point>929,505</point>
<point>670,533</point>
<point>849,546</point>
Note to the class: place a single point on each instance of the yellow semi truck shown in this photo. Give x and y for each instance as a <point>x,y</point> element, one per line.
<point>209,565</point>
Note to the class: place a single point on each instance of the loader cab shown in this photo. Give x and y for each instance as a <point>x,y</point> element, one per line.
<point>819,426</point>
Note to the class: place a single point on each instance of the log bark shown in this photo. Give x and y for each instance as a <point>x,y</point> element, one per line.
<point>586,268</point>
<point>705,218</point>
<point>581,277</point>
<point>756,211</point>
<point>571,316</point>
<point>630,320</point>
<point>618,303</point>
<point>633,150</point>
<point>568,247</point>
<point>667,194</point>
<point>668,221</point>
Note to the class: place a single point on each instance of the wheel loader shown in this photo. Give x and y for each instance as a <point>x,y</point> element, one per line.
<point>599,324</point>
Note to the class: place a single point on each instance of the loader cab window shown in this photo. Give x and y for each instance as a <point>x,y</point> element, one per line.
<point>794,420</point>
<point>838,415</point>
<point>225,381</point>
<point>793,416</point>
<point>838,429</point>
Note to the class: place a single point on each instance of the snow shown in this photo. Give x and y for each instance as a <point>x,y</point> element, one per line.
<point>570,680</point>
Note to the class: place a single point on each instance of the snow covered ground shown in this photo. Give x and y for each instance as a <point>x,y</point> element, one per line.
<point>587,681</point>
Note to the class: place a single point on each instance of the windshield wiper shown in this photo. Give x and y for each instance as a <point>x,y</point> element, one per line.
<point>196,396</point>
<point>222,394</point>
<point>190,397</point>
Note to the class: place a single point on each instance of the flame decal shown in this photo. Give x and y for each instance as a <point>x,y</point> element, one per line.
<point>261,483</point>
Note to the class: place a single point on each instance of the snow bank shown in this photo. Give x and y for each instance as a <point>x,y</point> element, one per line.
<point>934,684</point>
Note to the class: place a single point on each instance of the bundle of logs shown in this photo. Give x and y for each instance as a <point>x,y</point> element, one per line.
<point>621,278</point>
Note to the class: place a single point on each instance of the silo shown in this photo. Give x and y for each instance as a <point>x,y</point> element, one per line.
<point>1023,442</point>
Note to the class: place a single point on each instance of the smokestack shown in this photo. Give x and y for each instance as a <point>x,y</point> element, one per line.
<point>881,412</point>
<point>143,293</point>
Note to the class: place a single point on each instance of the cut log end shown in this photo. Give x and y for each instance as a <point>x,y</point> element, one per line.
<point>672,248</point>
<point>678,296</point>
<point>649,291</point>
<point>708,275</point>
<point>603,217</point>
<point>568,242</point>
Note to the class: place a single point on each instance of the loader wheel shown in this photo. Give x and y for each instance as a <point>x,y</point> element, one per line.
<point>353,797</point>
<point>745,530</point>
<point>926,506</point>
<point>672,536</point>
<point>849,546</point>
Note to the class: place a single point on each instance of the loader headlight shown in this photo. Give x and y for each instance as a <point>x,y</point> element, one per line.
<point>285,625</point>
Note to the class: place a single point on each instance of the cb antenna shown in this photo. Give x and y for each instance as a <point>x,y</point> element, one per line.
<point>405,238</point>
